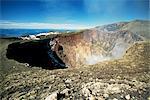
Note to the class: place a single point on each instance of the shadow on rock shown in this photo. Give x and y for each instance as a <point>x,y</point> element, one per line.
<point>35,53</point>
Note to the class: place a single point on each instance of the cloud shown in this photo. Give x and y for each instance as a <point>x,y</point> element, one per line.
<point>61,19</point>
<point>34,25</point>
<point>108,7</point>
<point>93,6</point>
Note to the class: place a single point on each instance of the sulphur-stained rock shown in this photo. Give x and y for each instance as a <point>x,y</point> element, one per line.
<point>53,96</point>
<point>68,81</point>
<point>86,92</point>
<point>66,91</point>
<point>105,95</point>
<point>100,98</point>
<point>113,88</point>
<point>92,97</point>
<point>115,99</point>
<point>148,98</point>
<point>127,97</point>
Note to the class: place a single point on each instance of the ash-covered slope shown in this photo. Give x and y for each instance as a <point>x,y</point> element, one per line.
<point>139,27</point>
<point>94,45</point>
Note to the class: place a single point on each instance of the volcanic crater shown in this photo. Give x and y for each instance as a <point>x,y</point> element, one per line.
<point>87,47</point>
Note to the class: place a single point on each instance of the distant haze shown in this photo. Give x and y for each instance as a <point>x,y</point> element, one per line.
<point>25,32</point>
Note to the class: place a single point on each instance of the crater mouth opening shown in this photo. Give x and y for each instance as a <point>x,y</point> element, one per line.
<point>36,53</point>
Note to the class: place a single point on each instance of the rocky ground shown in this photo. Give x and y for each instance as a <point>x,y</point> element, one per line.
<point>76,84</point>
<point>123,79</point>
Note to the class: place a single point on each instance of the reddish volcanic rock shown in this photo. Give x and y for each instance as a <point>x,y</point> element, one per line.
<point>92,46</point>
<point>74,49</point>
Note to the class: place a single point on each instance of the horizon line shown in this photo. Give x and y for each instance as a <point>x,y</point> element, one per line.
<point>5,24</point>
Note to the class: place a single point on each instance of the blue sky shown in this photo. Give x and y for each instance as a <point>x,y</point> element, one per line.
<point>74,14</point>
